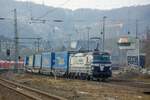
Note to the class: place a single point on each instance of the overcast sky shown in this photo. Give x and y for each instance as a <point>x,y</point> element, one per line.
<point>94,4</point>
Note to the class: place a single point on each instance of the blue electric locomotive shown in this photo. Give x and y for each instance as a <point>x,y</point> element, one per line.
<point>101,65</point>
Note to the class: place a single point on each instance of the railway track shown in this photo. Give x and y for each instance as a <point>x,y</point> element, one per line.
<point>131,83</point>
<point>28,92</point>
<point>140,86</point>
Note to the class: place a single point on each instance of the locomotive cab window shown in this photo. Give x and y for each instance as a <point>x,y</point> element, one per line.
<point>105,58</point>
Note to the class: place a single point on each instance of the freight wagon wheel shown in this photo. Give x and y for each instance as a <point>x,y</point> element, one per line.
<point>104,79</point>
<point>89,77</point>
<point>98,79</point>
<point>39,72</point>
<point>74,76</point>
<point>78,76</point>
<point>107,80</point>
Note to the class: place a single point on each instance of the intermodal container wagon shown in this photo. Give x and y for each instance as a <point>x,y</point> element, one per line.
<point>37,61</point>
<point>31,61</point>
<point>47,62</point>
<point>61,63</point>
<point>26,61</point>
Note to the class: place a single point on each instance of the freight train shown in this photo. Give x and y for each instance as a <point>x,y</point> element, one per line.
<point>87,65</point>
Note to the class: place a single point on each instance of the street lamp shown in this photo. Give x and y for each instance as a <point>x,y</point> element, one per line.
<point>88,31</point>
<point>103,32</point>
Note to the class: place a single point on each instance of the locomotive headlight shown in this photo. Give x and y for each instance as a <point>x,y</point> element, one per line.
<point>110,68</point>
<point>102,68</point>
<point>95,64</point>
<point>107,65</point>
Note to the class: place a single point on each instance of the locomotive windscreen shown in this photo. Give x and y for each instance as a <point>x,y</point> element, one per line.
<point>101,58</point>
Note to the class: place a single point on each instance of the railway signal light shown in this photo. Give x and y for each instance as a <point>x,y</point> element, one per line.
<point>19,58</point>
<point>8,52</point>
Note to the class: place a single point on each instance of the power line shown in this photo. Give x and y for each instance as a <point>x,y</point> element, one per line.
<point>31,38</point>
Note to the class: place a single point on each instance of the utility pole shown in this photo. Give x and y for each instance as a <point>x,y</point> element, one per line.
<point>0,46</point>
<point>137,28</point>
<point>103,32</point>
<point>38,44</point>
<point>88,31</point>
<point>138,42</point>
<point>69,40</point>
<point>16,38</point>
<point>147,33</point>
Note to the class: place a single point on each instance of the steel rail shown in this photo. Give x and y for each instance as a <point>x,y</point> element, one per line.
<point>29,92</point>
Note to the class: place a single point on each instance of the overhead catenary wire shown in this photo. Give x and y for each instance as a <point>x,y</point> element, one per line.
<point>38,19</point>
<point>46,13</point>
